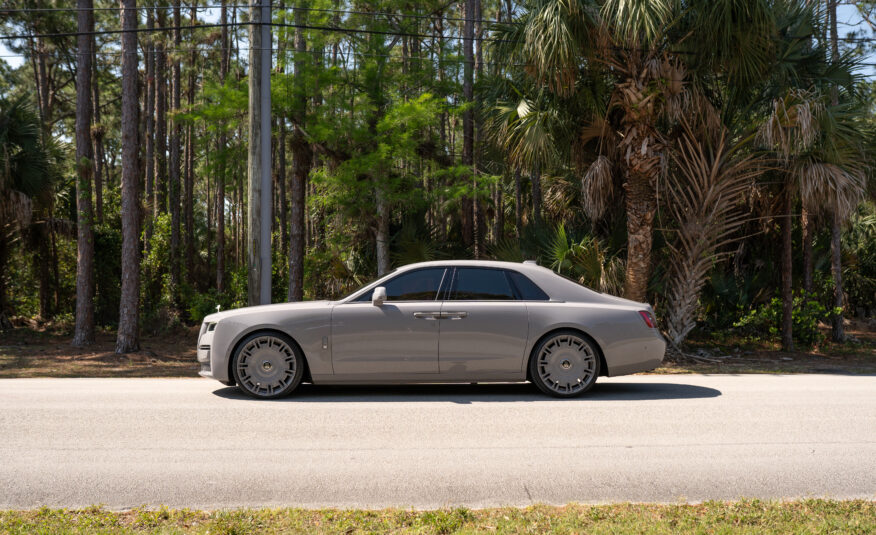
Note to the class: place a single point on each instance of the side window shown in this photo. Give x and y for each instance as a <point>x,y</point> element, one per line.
<point>526,289</point>
<point>479,284</point>
<point>419,285</point>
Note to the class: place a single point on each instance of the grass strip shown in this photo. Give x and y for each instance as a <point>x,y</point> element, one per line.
<point>745,516</point>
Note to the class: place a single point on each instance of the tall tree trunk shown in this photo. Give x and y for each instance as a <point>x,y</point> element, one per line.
<point>84,330</point>
<point>220,176</point>
<point>383,263</point>
<point>302,159</point>
<point>281,183</point>
<point>160,204</point>
<point>97,134</point>
<point>175,140</point>
<point>128,337</point>
<point>188,205</point>
<point>787,263</point>
<point>806,227</point>
<point>468,231</point>
<point>838,333</point>
<point>149,111</point>
<point>258,138</point>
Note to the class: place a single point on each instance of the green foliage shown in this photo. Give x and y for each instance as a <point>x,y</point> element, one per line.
<point>859,259</point>
<point>587,261</point>
<point>765,321</point>
<point>107,273</point>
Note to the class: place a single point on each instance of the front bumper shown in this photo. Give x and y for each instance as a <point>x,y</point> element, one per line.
<point>205,339</point>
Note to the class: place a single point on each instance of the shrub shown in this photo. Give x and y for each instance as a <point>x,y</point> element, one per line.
<point>765,321</point>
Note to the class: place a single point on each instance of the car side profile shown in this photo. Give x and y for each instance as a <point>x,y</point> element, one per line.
<point>436,322</point>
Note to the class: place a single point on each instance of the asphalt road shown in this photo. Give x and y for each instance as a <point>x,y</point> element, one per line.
<point>194,443</point>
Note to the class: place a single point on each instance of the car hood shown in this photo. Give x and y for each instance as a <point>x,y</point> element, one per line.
<point>277,307</point>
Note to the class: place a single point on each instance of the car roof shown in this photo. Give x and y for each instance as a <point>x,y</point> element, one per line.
<point>557,287</point>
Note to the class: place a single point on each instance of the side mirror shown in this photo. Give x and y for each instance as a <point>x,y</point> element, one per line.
<point>378,296</point>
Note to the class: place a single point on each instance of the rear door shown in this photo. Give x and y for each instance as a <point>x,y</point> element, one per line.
<point>484,326</point>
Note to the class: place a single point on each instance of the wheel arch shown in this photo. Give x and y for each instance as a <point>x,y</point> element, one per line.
<point>603,367</point>
<point>265,330</point>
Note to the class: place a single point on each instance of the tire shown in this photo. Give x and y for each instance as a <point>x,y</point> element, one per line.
<point>267,365</point>
<point>565,364</point>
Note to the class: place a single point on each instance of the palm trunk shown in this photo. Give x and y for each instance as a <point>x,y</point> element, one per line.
<point>838,330</point>
<point>43,262</point>
<point>536,196</point>
<point>499,232</point>
<point>641,204</point>
<point>838,333</point>
<point>4,318</point>
<point>84,330</point>
<point>128,338</point>
<point>518,202</point>
<point>806,227</point>
<point>787,263</point>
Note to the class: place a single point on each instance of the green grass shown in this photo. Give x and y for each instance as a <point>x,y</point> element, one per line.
<point>746,516</point>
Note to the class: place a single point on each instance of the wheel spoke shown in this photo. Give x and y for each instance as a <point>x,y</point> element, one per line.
<point>566,364</point>
<point>266,365</point>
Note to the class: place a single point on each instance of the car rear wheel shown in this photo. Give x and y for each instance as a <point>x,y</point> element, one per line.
<point>565,364</point>
<point>268,365</point>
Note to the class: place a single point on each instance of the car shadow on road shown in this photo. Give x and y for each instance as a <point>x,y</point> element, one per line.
<point>479,393</point>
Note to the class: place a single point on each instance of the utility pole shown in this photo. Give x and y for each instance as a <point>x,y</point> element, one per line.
<point>259,157</point>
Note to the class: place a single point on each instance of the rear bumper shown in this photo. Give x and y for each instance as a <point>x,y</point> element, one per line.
<point>645,357</point>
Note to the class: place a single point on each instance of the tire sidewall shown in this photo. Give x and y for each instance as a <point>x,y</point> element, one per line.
<point>533,364</point>
<point>299,364</point>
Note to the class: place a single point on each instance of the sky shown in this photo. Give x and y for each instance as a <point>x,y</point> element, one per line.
<point>847,15</point>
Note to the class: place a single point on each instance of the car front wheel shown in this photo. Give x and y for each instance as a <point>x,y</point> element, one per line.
<point>268,365</point>
<point>565,364</point>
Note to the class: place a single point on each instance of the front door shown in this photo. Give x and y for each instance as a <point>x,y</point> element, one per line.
<point>484,328</point>
<point>395,340</point>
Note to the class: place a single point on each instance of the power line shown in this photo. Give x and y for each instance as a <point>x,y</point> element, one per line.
<point>231,24</point>
<point>430,17</point>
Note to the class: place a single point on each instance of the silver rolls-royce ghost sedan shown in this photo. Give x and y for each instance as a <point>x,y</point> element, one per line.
<point>436,322</point>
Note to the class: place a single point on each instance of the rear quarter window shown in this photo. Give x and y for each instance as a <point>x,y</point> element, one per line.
<point>526,289</point>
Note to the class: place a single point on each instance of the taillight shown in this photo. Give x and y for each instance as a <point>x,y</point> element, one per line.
<point>649,319</point>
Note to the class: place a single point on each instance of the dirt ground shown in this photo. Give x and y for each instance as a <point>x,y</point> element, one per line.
<point>30,350</point>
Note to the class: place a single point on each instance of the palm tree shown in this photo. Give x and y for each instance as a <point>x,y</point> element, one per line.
<point>654,52</point>
<point>824,162</point>
<point>705,193</point>
<point>26,170</point>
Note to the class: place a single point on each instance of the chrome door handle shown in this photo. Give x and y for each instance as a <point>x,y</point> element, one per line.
<point>453,315</point>
<point>427,315</point>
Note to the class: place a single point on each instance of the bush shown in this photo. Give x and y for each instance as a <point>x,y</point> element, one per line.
<point>765,321</point>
